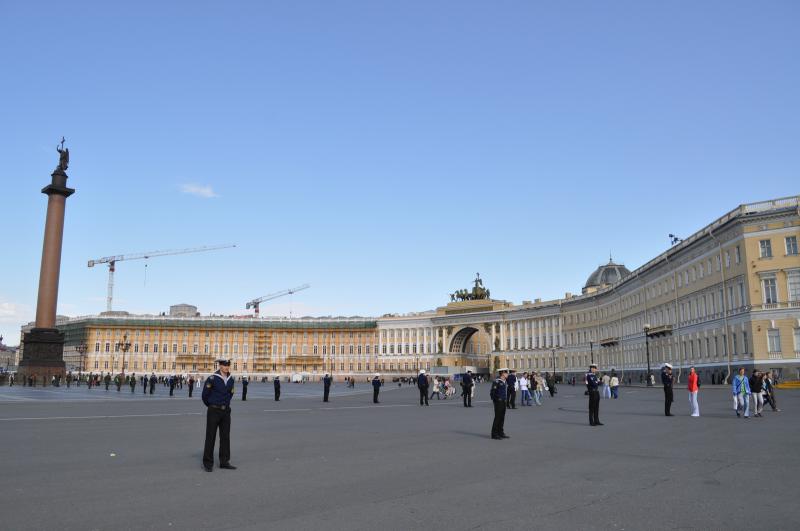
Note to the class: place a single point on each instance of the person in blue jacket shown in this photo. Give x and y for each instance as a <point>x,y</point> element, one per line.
<point>217,395</point>
<point>592,383</point>
<point>376,388</point>
<point>741,392</point>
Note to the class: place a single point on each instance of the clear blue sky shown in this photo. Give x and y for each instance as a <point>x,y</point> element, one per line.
<point>382,151</point>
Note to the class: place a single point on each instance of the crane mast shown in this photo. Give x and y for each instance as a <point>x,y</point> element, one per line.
<point>112,262</point>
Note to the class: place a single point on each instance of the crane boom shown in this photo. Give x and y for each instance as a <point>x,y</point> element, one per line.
<point>256,302</point>
<point>112,261</point>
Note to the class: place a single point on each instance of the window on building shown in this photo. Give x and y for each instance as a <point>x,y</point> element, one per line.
<point>765,248</point>
<point>770,290</point>
<point>797,339</point>
<point>745,350</point>
<point>793,285</point>
<point>791,245</point>
<point>97,347</point>
<point>738,255</point>
<point>774,340</point>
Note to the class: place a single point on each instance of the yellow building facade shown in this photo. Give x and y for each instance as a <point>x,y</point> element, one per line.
<point>726,296</point>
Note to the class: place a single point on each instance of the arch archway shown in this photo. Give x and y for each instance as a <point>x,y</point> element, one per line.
<point>461,338</point>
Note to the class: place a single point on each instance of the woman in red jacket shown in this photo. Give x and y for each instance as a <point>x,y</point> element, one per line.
<point>693,388</point>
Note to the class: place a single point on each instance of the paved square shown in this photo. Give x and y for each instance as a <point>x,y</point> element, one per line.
<point>79,459</point>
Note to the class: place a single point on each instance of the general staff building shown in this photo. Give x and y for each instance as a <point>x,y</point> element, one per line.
<point>726,296</point>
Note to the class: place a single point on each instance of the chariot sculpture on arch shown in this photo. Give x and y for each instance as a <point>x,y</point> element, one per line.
<point>478,292</point>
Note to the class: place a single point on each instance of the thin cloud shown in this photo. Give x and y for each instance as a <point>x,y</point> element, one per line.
<point>199,190</point>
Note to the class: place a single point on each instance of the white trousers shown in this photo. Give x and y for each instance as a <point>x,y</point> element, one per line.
<point>693,404</point>
<point>758,403</point>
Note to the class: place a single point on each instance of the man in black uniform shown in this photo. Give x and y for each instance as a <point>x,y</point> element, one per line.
<point>191,385</point>
<point>217,395</point>
<point>245,383</point>
<point>592,383</point>
<point>499,396</point>
<point>666,380</point>
<point>326,383</point>
<point>133,382</point>
<point>422,385</point>
<point>171,382</point>
<point>153,381</point>
<point>468,382</point>
<point>107,380</point>
<point>277,384</point>
<point>376,388</point>
<point>511,383</point>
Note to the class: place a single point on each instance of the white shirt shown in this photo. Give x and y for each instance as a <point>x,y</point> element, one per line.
<point>523,383</point>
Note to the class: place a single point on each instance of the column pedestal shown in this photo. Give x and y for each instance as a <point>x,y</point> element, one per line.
<point>42,355</point>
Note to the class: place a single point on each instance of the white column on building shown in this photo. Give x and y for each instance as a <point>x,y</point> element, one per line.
<point>494,336</point>
<point>527,334</point>
<point>502,336</point>
<point>546,332</point>
<point>560,332</point>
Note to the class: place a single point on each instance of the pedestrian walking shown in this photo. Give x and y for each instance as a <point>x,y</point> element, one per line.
<point>217,395</point>
<point>606,386</point>
<point>153,382</point>
<point>277,384</point>
<point>694,387</point>
<point>132,383</point>
<point>614,382</point>
<point>422,385</point>
<point>376,387</point>
<point>499,395</point>
<point>592,384</point>
<point>171,383</point>
<point>769,388</point>
<point>245,383</point>
<point>436,389</point>
<point>326,386</point>
<point>524,389</point>
<point>512,385</point>
<point>741,393</point>
<point>666,381</point>
<point>467,384</point>
<point>191,385</point>
<point>550,380</point>
<point>756,388</point>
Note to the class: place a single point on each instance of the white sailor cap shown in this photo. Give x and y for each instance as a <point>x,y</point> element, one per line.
<point>422,371</point>
<point>668,365</point>
<point>503,369</point>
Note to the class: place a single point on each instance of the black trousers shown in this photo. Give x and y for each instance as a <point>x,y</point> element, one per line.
<point>467,396</point>
<point>772,402</point>
<point>277,394</point>
<point>326,393</point>
<point>667,399</point>
<point>217,419</point>
<point>133,388</point>
<point>498,424</point>
<point>423,395</point>
<point>594,407</point>
<point>244,393</point>
<point>171,389</point>
<point>375,392</point>
<point>191,388</point>
<point>512,399</point>
<point>152,388</point>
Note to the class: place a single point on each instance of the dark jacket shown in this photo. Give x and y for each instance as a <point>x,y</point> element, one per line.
<point>326,381</point>
<point>756,384</point>
<point>592,381</point>
<point>422,381</point>
<point>277,383</point>
<point>376,383</point>
<point>499,390</point>
<point>218,391</point>
<point>666,379</point>
<point>467,380</point>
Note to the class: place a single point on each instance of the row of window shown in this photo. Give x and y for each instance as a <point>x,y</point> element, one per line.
<point>789,242</point>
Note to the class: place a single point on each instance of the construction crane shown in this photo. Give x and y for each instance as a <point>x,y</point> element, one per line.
<point>112,261</point>
<point>256,302</point>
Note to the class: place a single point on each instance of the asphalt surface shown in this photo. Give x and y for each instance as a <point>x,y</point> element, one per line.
<point>79,459</point>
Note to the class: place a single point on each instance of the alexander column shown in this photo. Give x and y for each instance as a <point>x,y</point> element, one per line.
<point>43,350</point>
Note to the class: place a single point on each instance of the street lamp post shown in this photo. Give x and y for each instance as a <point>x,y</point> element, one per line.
<point>647,351</point>
<point>554,365</point>
<point>591,351</point>
<point>124,346</point>
<point>82,348</point>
